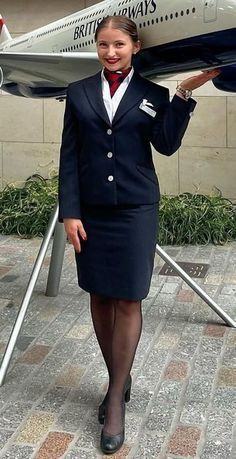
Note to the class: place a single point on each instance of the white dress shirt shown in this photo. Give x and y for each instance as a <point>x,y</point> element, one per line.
<point>112,103</point>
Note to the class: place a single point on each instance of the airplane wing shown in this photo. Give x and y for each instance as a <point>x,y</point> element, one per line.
<point>48,69</point>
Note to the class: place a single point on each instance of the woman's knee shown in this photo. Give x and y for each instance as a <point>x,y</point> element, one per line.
<point>128,307</point>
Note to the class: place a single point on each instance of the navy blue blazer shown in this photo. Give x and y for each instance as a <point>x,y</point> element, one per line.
<point>104,163</point>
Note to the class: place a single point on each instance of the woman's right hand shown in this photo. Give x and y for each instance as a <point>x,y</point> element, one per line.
<point>75,230</point>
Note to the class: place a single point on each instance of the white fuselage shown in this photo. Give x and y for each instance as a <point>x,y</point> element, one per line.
<point>176,36</point>
<point>158,21</point>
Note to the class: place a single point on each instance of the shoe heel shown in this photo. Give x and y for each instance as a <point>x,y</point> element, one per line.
<point>127,395</point>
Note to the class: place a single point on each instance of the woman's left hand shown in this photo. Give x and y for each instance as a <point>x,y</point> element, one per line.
<point>196,81</point>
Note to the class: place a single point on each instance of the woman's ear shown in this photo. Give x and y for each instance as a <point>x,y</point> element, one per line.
<point>137,47</point>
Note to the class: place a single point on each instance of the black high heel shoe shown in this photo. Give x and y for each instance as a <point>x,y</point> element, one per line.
<point>112,443</point>
<point>102,407</point>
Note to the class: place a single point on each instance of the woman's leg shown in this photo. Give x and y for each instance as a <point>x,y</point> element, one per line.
<point>103,316</point>
<point>126,335</point>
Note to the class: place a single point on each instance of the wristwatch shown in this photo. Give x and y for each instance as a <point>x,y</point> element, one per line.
<point>186,93</point>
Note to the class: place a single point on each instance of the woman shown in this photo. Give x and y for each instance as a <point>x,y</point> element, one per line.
<point>109,194</point>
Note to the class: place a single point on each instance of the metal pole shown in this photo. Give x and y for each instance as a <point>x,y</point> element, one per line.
<point>25,302</point>
<point>57,256</point>
<point>195,287</point>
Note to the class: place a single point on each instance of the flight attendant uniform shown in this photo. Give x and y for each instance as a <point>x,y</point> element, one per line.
<point>107,177</point>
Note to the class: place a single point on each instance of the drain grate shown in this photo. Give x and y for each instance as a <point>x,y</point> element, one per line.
<point>192,269</point>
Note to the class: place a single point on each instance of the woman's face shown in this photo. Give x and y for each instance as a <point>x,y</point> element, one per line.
<point>115,49</point>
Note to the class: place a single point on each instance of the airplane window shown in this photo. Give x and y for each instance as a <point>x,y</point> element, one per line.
<point>153,22</point>
<point>166,18</point>
<point>157,20</point>
<point>177,15</point>
<point>182,13</point>
<point>187,12</point>
<point>144,24</point>
<point>194,10</point>
<point>161,18</point>
<point>171,16</point>
<point>148,23</point>
<point>140,26</point>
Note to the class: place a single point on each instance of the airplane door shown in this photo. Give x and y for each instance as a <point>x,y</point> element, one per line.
<point>210,10</point>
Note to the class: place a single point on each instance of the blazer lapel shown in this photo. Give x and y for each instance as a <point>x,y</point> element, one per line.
<point>93,90</point>
<point>134,93</point>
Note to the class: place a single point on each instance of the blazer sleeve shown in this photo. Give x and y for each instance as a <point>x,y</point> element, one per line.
<point>171,123</point>
<point>69,194</point>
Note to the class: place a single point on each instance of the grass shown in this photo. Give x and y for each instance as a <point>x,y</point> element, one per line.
<point>184,219</point>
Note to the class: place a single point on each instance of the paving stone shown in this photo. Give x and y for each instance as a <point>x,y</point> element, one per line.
<point>35,354</point>
<point>5,435</point>
<point>227,377</point>
<point>230,278</point>
<point>205,364</point>
<point>199,388</point>
<point>185,296</point>
<point>80,332</point>
<point>211,345</point>
<point>220,424</point>
<point>167,340</point>
<point>54,399</point>
<point>180,332</point>
<point>89,434</point>
<point>149,446</point>
<point>79,453</point>
<point>70,376</point>
<point>54,446</point>
<point>4,270</point>
<point>216,449</point>
<point>23,342</point>
<point>71,419</point>
<point>217,331</point>
<point>184,441</point>
<point>13,414</point>
<point>31,391</point>
<point>35,428</point>
<point>9,278</point>
<point>176,370</point>
<point>231,338</point>
<point>186,348</point>
<point>194,413</point>
<point>140,398</point>
<point>18,452</point>
<point>170,287</point>
<point>19,373</point>
<point>160,418</point>
<point>224,398</point>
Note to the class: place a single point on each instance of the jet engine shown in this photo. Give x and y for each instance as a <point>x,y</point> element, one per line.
<point>226,81</point>
<point>1,77</point>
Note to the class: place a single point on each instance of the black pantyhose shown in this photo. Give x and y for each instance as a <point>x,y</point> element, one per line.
<point>118,326</point>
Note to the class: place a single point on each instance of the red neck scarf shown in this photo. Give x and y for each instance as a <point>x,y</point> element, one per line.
<point>115,78</point>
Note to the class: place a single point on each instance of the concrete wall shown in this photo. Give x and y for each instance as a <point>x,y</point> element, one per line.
<point>30,130</point>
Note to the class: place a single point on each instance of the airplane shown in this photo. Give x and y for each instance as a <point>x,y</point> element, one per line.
<point>177,36</point>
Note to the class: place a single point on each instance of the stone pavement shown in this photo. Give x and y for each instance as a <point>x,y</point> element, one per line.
<point>183,401</point>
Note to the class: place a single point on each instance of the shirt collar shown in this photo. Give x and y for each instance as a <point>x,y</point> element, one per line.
<point>127,79</point>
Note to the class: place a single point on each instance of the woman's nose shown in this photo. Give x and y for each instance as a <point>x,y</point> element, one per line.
<point>111,51</point>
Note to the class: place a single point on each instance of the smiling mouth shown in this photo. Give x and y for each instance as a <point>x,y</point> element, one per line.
<point>112,61</point>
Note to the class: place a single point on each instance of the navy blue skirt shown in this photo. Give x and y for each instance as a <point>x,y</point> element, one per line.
<point>117,259</point>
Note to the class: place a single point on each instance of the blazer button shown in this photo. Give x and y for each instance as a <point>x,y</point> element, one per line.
<point>110,178</point>
<point>109,131</point>
<point>110,154</point>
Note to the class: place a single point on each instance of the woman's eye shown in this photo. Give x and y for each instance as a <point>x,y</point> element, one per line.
<point>120,44</point>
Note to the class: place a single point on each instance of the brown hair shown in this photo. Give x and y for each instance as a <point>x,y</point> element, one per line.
<point>122,23</point>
